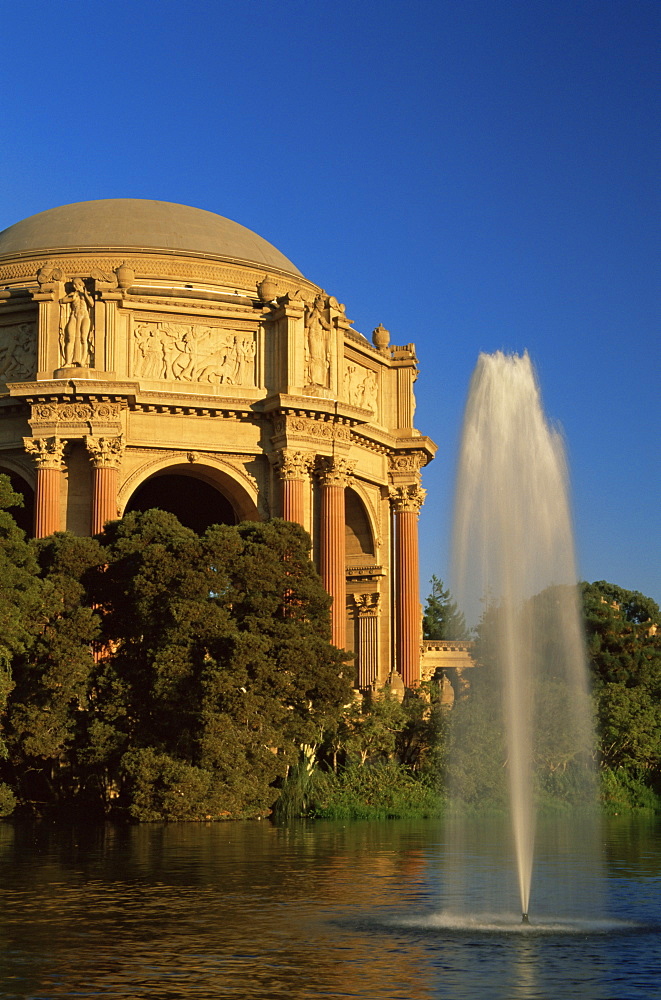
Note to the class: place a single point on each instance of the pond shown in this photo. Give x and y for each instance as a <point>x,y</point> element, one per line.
<point>330,910</point>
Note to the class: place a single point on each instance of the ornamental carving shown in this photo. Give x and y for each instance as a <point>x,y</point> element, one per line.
<point>324,430</point>
<point>193,353</point>
<point>407,499</point>
<point>409,463</point>
<point>101,412</point>
<point>18,351</point>
<point>48,453</point>
<point>105,452</point>
<point>334,471</point>
<point>293,464</point>
<point>317,343</point>
<point>366,605</point>
<point>77,327</point>
<point>361,387</point>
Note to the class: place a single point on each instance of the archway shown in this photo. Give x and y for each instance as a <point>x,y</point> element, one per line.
<point>194,501</point>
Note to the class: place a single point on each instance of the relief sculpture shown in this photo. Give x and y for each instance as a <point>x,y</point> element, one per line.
<point>194,353</point>
<point>18,357</point>
<point>361,387</point>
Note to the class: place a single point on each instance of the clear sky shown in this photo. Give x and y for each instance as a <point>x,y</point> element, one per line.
<point>474,174</point>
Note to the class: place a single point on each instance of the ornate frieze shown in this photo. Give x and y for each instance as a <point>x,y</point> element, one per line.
<point>407,498</point>
<point>18,352</point>
<point>48,453</point>
<point>309,427</point>
<point>105,452</point>
<point>193,353</point>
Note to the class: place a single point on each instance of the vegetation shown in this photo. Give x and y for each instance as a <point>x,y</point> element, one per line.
<point>442,618</point>
<point>158,674</point>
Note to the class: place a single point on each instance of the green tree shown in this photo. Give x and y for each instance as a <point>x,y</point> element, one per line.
<point>20,611</point>
<point>442,619</point>
<point>49,708</point>
<point>623,630</point>
<point>218,660</point>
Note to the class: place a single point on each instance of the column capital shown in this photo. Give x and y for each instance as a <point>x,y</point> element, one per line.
<point>48,453</point>
<point>407,498</point>
<point>333,471</point>
<point>105,452</point>
<point>290,464</point>
<point>366,605</point>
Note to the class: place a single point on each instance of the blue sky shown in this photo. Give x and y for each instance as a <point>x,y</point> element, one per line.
<point>474,174</point>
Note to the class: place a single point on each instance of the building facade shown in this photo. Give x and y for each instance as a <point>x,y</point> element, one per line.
<point>156,355</point>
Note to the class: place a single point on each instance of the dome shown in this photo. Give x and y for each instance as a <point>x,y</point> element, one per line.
<point>133,223</point>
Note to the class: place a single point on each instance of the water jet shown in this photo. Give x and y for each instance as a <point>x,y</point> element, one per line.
<point>523,730</point>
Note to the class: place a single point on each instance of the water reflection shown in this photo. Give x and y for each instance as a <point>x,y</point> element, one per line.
<point>249,910</point>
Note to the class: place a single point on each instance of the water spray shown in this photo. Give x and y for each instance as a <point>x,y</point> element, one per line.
<point>524,918</point>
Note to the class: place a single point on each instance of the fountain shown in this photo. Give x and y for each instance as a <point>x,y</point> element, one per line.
<point>527,714</point>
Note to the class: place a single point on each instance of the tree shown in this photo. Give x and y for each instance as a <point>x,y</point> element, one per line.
<point>49,708</point>
<point>624,651</point>
<point>218,663</point>
<point>442,619</point>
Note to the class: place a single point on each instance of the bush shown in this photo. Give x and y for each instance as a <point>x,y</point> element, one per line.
<point>384,790</point>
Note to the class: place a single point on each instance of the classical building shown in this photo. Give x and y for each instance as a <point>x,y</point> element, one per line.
<point>155,355</point>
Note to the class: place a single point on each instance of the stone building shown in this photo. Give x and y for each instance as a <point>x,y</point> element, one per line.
<point>156,355</point>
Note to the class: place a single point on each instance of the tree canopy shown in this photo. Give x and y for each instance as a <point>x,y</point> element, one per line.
<point>169,674</point>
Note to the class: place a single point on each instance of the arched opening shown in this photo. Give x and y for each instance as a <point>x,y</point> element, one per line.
<point>359,541</point>
<point>24,516</point>
<point>194,501</point>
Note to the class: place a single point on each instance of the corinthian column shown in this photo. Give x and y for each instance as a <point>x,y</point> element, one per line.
<point>334,476</point>
<point>106,456</point>
<point>406,501</point>
<point>292,467</point>
<point>48,454</point>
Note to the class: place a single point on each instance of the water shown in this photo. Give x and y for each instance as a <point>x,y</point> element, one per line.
<point>324,910</point>
<point>514,570</point>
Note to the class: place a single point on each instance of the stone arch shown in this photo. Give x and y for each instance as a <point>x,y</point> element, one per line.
<point>360,540</point>
<point>200,492</point>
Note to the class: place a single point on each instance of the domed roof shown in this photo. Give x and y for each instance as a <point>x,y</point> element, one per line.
<point>131,223</point>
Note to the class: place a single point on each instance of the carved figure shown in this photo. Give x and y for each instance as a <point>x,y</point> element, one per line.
<point>318,343</point>
<point>17,352</point>
<point>77,333</point>
<point>149,363</point>
<point>194,354</point>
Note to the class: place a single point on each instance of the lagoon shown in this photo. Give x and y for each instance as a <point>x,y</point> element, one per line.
<point>325,910</point>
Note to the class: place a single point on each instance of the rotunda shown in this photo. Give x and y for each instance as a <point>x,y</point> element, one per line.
<point>157,355</point>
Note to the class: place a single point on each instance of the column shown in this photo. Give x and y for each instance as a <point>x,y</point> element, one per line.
<point>48,454</point>
<point>367,609</point>
<point>334,476</point>
<point>293,468</point>
<point>406,501</point>
<point>106,456</point>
